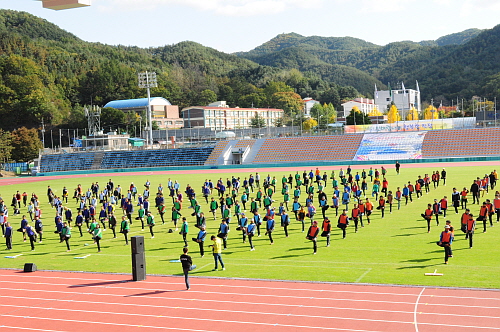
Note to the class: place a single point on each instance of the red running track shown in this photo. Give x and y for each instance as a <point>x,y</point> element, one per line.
<point>65,301</point>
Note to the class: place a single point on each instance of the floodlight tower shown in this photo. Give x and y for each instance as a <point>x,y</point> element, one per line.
<point>93,115</point>
<point>148,80</point>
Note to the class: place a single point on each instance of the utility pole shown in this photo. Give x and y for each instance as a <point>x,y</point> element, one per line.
<point>148,80</point>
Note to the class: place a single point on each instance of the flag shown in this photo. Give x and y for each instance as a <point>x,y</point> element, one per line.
<point>418,88</point>
<point>376,92</point>
<point>403,88</point>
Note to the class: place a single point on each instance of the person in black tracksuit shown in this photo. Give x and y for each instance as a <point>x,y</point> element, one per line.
<point>474,189</point>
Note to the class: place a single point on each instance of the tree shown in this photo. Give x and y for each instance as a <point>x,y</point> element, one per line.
<point>257,121</point>
<point>430,113</point>
<point>271,90</point>
<point>5,146</point>
<point>393,114</point>
<point>375,112</point>
<point>26,144</point>
<point>309,124</point>
<point>357,117</point>
<point>326,113</point>
<point>206,97</point>
<point>412,115</point>
<point>290,102</point>
<point>112,118</point>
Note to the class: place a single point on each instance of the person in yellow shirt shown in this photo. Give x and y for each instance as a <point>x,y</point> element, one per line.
<point>217,251</point>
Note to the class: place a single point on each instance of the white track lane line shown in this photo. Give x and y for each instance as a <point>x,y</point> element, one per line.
<point>415,310</point>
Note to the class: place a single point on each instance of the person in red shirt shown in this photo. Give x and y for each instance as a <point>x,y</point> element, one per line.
<point>368,209</point>
<point>398,197</point>
<point>385,186</point>
<point>389,200</point>
<point>483,215</point>
<point>381,205</point>
<point>496,205</point>
<point>464,220</point>
<point>491,211</point>
<point>463,198</point>
<point>418,189</point>
<point>362,211</point>
<point>312,234</point>
<point>444,205</point>
<point>471,226</point>
<point>427,215</point>
<point>327,228</point>
<point>436,209</point>
<point>343,222</point>
<point>355,213</point>
<point>445,240</point>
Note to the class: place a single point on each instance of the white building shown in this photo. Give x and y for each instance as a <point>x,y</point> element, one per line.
<point>404,100</point>
<point>308,105</point>
<point>365,105</point>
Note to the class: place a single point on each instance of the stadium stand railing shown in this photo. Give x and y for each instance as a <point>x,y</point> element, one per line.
<point>313,148</point>
<point>461,142</point>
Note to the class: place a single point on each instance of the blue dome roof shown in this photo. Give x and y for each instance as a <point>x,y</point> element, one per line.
<point>137,103</point>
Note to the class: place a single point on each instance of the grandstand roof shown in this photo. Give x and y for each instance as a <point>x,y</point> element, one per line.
<point>137,103</point>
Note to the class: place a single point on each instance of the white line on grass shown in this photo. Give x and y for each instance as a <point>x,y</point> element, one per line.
<point>363,275</point>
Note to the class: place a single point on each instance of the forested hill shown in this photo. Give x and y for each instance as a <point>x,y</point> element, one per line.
<point>461,65</point>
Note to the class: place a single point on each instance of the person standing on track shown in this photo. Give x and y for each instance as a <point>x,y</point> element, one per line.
<point>187,265</point>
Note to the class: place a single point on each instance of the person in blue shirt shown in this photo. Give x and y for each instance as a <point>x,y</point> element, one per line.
<point>270,224</point>
<point>59,227</point>
<point>296,207</point>
<point>68,215</point>
<point>251,232</point>
<point>346,198</point>
<point>200,239</point>
<point>79,222</point>
<point>103,215</point>
<point>285,222</point>
<point>223,231</point>
<point>242,224</point>
<point>24,225</point>
<point>257,221</point>
<point>31,235</point>
<point>406,193</point>
<point>8,235</point>
<point>39,228</point>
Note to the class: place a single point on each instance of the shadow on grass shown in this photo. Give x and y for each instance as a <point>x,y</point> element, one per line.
<point>304,248</point>
<point>414,227</point>
<point>288,256</point>
<point>418,266</point>
<point>407,234</point>
<point>420,260</point>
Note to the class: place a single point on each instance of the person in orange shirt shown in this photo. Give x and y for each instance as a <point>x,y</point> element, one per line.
<point>343,222</point>
<point>355,213</point>
<point>463,198</point>
<point>491,211</point>
<point>362,211</point>
<point>368,209</point>
<point>418,189</point>
<point>385,186</point>
<point>444,205</point>
<point>427,215</point>
<point>381,205</point>
<point>327,228</point>
<point>389,200</point>
<point>496,205</point>
<point>445,241</point>
<point>464,219</point>
<point>398,197</point>
<point>483,215</point>
<point>411,189</point>
<point>312,234</point>
<point>471,226</point>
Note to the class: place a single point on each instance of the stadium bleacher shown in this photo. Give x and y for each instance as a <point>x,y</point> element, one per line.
<point>66,162</point>
<point>312,148</point>
<point>461,142</point>
<point>219,147</point>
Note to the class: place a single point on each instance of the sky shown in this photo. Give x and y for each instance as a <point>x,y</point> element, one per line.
<point>241,25</point>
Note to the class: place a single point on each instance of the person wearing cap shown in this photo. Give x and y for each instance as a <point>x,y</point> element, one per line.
<point>150,220</point>
<point>184,231</point>
<point>312,234</point>
<point>445,241</point>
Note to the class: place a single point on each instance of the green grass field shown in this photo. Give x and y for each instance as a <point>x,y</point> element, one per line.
<point>393,250</point>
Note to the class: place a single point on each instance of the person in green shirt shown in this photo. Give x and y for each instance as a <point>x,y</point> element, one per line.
<point>297,178</point>
<point>92,227</point>
<point>184,231</point>
<point>296,192</point>
<point>98,236</point>
<point>237,210</point>
<point>175,216</point>
<point>112,224</point>
<point>151,223</point>
<point>270,192</point>
<point>142,214</point>
<point>283,181</point>
<point>258,198</point>
<point>125,228</point>
<point>226,215</point>
<point>254,206</point>
<point>286,199</point>
<point>217,252</point>
<point>66,234</point>
<point>213,207</point>
<point>267,201</point>
<point>229,201</point>
<point>161,212</point>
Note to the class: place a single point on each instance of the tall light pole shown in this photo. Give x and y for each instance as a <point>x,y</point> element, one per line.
<point>148,80</point>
